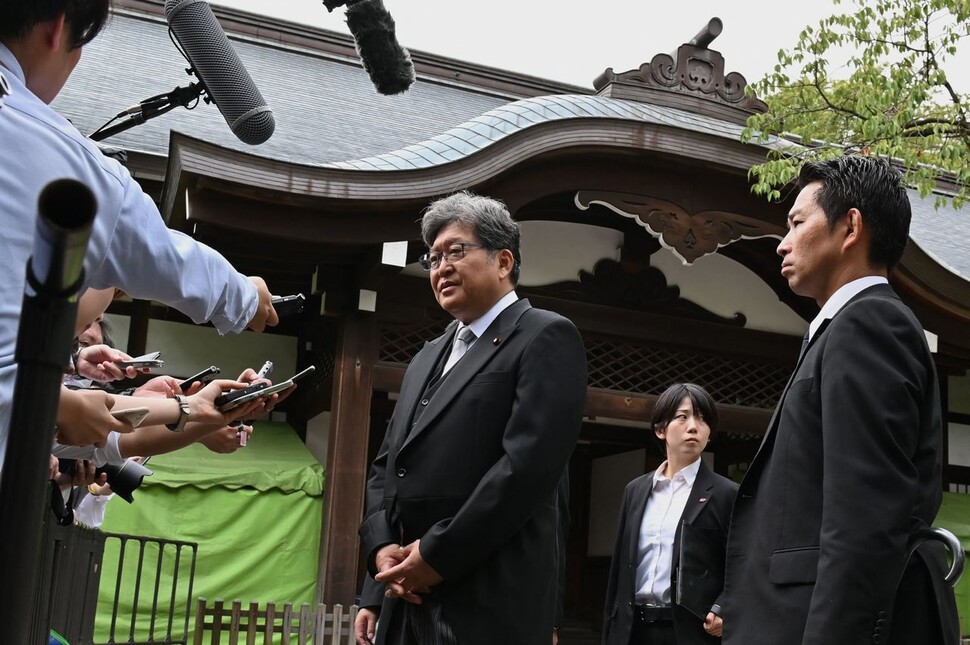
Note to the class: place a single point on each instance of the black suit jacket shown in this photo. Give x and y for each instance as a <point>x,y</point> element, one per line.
<point>708,509</point>
<point>849,468</point>
<point>475,478</point>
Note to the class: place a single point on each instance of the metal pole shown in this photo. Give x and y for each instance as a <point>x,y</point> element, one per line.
<point>54,275</point>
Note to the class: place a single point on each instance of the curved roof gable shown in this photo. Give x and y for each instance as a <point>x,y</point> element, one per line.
<point>496,124</point>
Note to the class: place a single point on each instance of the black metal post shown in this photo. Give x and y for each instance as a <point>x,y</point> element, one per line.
<point>54,275</point>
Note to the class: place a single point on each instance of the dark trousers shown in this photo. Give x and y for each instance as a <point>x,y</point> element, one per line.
<point>423,624</point>
<point>660,632</point>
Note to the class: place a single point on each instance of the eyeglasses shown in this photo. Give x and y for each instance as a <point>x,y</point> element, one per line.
<point>454,252</point>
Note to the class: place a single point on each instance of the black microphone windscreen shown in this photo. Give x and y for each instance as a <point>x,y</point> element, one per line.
<point>386,62</point>
<point>220,68</point>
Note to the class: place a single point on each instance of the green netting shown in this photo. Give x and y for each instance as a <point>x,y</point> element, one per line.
<point>256,515</point>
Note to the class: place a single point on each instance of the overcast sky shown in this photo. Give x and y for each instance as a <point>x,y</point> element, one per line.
<point>574,42</point>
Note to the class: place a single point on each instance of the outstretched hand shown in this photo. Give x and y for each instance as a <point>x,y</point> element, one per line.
<point>98,363</point>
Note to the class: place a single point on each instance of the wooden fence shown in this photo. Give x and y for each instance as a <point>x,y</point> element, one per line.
<point>219,624</point>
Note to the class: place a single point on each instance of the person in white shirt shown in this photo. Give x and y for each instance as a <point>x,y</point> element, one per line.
<point>641,597</point>
<point>130,245</point>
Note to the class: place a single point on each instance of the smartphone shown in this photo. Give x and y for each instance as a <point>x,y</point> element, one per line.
<point>201,377</point>
<point>256,392</point>
<point>228,400</point>
<point>133,416</point>
<point>140,364</point>
<point>288,305</point>
<point>145,360</point>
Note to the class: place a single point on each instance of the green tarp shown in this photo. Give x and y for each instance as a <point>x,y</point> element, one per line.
<point>955,517</point>
<point>255,514</point>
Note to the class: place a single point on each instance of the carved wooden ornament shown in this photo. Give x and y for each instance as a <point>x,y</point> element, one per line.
<point>688,235</point>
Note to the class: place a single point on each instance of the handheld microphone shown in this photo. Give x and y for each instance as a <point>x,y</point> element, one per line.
<point>386,62</point>
<point>218,66</point>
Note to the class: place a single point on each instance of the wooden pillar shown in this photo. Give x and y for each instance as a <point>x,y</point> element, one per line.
<point>576,596</point>
<point>357,345</point>
<point>141,313</point>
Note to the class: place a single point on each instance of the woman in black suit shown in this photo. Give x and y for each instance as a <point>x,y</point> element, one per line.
<point>642,603</point>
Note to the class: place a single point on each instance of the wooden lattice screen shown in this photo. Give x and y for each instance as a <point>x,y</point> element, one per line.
<point>634,366</point>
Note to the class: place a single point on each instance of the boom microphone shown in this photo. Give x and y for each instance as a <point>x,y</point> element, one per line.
<point>218,66</point>
<point>385,61</point>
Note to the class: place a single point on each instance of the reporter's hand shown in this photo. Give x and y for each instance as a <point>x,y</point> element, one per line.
<point>204,410</point>
<point>84,474</point>
<point>249,375</point>
<point>365,626</point>
<point>99,490</point>
<point>160,386</point>
<point>52,469</point>
<point>225,440</point>
<point>97,362</point>
<point>265,314</point>
<point>83,418</point>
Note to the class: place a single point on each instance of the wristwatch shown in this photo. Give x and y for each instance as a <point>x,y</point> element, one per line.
<point>184,410</point>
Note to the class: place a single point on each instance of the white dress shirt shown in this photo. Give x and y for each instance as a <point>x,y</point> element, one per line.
<point>130,246</point>
<point>655,549</point>
<point>479,326</point>
<point>844,294</point>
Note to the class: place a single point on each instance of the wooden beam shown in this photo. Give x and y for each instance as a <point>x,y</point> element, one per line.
<point>346,472</point>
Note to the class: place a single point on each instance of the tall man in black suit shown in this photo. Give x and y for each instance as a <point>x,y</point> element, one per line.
<point>850,465</point>
<point>461,519</point>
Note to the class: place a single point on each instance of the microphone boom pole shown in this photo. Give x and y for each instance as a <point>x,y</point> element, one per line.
<point>152,107</point>
<point>54,275</point>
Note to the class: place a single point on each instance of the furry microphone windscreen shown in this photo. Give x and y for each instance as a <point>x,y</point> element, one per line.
<point>385,61</point>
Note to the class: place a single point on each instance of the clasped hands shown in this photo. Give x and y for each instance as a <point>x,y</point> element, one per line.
<point>405,572</point>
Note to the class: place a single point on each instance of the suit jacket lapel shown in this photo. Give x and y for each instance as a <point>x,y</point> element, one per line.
<point>420,369</point>
<point>700,494</point>
<point>791,379</point>
<point>482,351</point>
<point>639,505</point>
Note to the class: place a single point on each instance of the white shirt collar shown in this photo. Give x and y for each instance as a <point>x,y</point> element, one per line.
<point>838,299</point>
<point>689,473</point>
<point>479,326</point>
<point>10,62</point>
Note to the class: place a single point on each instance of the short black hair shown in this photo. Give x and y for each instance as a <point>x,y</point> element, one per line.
<point>874,187</point>
<point>107,333</point>
<point>665,409</point>
<point>489,218</point>
<point>84,18</point>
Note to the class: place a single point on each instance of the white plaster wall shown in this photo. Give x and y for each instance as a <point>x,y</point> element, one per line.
<point>557,251</point>
<point>959,434</point>
<point>959,393</point>
<point>959,444</point>
<point>188,349</point>
<point>726,287</point>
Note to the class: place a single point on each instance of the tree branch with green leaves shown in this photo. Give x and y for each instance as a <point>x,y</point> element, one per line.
<point>872,81</point>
